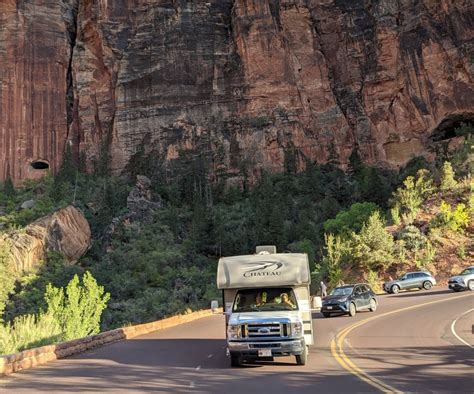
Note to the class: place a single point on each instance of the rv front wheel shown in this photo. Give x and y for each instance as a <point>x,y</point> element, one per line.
<point>303,357</point>
<point>235,360</point>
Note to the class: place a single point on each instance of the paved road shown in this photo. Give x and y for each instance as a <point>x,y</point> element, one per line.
<point>427,348</point>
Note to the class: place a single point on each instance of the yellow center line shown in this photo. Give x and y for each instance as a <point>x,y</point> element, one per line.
<point>337,350</point>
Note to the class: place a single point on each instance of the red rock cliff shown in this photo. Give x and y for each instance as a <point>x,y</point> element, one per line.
<point>241,80</point>
<point>35,53</point>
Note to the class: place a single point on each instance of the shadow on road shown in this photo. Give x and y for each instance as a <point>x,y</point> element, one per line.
<point>420,369</point>
<point>200,365</point>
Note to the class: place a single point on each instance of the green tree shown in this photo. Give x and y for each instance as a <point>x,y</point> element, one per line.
<point>337,252</point>
<point>448,182</point>
<point>78,308</point>
<point>373,247</point>
<point>304,246</point>
<point>356,164</point>
<point>352,219</point>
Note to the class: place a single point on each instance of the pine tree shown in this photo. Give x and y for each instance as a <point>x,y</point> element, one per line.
<point>355,163</point>
<point>8,187</point>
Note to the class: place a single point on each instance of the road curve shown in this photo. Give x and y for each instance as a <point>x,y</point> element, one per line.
<point>411,350</point>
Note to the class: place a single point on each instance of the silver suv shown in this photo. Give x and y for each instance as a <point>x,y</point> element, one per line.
<point>463,281</point>
<point>411,280</point>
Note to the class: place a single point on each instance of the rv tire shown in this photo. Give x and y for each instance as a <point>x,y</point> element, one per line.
<point>235,360</point>
<point>303,357</point>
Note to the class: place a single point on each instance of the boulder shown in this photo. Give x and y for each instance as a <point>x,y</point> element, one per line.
<point>28,204</point>
<point>66,231</point>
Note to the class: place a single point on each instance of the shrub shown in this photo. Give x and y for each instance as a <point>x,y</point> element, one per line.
<point>424,256</point>
<point>395,214</point>
<point>456,219</point>
<point>373,247</point>
<point>413,238</point>
<point>78,309</point>
<point>447,177</point>
<point>399,251</point>
<point>7,277</point>
<point>374,281</point>
<point>411,195</point>
<point>28,331</point>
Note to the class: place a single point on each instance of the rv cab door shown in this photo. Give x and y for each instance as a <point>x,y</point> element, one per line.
<point>305,309</point>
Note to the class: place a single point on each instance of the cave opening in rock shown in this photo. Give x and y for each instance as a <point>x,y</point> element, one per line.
<point>40,165</point>
<point>447,127</point>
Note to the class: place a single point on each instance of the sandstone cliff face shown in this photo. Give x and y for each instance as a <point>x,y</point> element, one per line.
<point>66,231</point>
<point>251,80</point>
<point>35,53</point>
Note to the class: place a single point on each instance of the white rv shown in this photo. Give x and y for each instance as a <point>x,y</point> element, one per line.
<point>267,305</point>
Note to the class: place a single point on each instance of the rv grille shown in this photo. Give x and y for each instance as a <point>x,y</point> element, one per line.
<point>267,330</point>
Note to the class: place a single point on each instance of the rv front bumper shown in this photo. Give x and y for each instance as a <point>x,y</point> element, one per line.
<point>277,348</point>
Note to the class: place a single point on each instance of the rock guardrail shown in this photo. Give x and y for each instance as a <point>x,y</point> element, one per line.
<point>33,357</point>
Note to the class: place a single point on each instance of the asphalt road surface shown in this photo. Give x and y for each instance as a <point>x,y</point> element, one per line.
<point>419,341</point>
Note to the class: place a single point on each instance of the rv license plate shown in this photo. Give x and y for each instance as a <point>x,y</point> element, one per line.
<point>264,352</point>
<point>329,307</point>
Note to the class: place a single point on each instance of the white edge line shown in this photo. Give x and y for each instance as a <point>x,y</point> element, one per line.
<point>454,331</point>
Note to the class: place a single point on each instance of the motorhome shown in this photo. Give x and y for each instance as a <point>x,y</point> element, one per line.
<point>266,305</point>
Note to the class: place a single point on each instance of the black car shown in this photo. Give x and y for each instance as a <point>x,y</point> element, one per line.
<point>349,299</point>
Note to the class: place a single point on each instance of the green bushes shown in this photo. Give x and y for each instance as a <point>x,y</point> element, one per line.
<point>413,238</point>
<point>72,313</point>
<point>447,177</point>
<point>374,282</point>
<point>28,331</point>
<point>371,249</point>
<point>7,278</point>
<point>411,195</point>
<point>78,309</point>
<point>454,219</point>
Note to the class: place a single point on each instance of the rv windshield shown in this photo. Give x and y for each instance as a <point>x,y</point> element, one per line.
<point>269,299</point>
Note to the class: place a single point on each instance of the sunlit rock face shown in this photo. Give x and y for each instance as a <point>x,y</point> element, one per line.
<point>235,81</point>
<point>65,231</point>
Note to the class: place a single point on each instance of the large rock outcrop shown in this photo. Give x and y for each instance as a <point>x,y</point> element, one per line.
<point>66,231</point>
<point>250,81</point>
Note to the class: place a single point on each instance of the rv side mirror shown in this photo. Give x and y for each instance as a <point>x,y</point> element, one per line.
<point>214,306</point>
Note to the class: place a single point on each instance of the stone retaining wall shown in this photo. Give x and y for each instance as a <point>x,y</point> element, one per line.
<point>31,358</point>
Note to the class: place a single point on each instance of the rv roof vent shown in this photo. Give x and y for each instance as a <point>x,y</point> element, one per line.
<point>270,249</point>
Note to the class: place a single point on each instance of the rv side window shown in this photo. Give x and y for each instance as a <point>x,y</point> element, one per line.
<point>265,299</point>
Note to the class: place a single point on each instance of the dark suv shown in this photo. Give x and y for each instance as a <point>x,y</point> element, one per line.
<point>411,280</point>
<point>349,299</point>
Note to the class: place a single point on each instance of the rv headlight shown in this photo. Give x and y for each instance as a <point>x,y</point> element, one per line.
<point>233,332</point>
<point>296,329</point>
